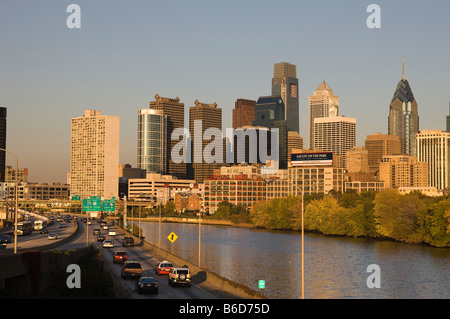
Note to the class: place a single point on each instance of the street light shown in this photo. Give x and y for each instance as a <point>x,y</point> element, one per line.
<point>270,180</point>
<point>17,204</point>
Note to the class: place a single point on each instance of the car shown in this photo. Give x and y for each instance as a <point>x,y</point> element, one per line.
<point>101,238</point>
<point>120,256</point>
<point>131,269</point>
<point>52,236</point>
<point>163,268</point>
<point>147,284</point>
<point>2,246</point>
<point>108,244</point>
<point>5,239</point>
<point>62,225</point>
<point>128,241</point>
<point>105,227</point>
<point>44,231</point>
<point>179,276</point>
<point>112,232</point>
<point>97,231</point>
<point>83,219</point>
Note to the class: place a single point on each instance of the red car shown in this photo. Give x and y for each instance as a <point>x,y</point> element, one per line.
<point>120,257</point>
<point>164,268</point>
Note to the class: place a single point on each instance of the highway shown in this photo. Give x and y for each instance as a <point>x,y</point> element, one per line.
<point>148,260</point>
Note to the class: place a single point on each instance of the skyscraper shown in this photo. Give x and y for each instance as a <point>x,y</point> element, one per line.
<point>174,110</point>
<point>403,116</point>
<point>2,143</point>
<point>379,145</point>
<point>285,84</point>
<point>335,134</point>
<point>204,163</point>
<point>448,120</point>
<point>152,141</point>
<point>433,146</point>
<point>243,113</point>
<point>94,155</point>
<point>323,103</point>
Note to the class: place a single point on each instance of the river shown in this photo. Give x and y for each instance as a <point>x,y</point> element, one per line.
<point>335,267</point>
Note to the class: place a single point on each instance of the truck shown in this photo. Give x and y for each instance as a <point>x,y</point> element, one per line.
<point>131,269</point>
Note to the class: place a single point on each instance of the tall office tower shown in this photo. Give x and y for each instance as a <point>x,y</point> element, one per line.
<point>403,116</point>
<point>448,120</point>
<point>433,146</point>
<point>2,143</point>
<point>294,141</point>
<point>379,145</point>
<point>403,171</point>
<point>270,113</point>
<point>323,103</point>
<point>211,117</point>
<point>152,141</point>
<point>94,155</point>
<point>243,113</point>
<point>335,134</point>
<point>174,110</point>
<point>285,84</point>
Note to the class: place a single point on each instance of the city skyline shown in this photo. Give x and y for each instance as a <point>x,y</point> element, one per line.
<point>121,58</point>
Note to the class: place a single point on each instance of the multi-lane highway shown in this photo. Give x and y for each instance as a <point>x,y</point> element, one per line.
<point>148,260</point>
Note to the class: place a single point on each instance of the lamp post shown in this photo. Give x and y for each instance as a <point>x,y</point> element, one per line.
<point>270,180</point>
<point>17,202</point>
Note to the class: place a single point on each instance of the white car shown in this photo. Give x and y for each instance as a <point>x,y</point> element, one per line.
<point>105,227</point>
<point>112,232</point>
<point>52,236</point>
<point>108,244</point>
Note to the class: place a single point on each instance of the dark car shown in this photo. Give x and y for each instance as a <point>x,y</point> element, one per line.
<point>147,284</point>
<point>128,241</point>
<point>101,238</point>
<point>5,239</point>
<point>44,231</point>
<point>97,231</point>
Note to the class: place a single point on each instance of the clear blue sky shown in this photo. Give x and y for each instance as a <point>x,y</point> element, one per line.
<point>213,51</point>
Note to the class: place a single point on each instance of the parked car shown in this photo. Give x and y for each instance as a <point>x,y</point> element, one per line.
<point>163,268</point>
<point>147,284</point>
<point>179,276</point>
<point>120,256</point>
<point>131,269</point>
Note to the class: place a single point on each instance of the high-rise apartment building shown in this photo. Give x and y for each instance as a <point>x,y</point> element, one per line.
<point>204,163</point>
<point>433,146</point>
<point>2,143</point>
<point>152,141</point>
<point>94,155</point>
<point>243,113</point>
<point>403,116</point>
<point>294,141</point>
<point>285,84</point>
<point>403,171</point>
<point>174,110</point>
<point>323,103</point>
<point>379,145</point>
<point>357,160</point>
<point>335,134</point>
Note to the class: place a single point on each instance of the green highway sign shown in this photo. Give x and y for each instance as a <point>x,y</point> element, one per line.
<point>262,284</point>
<point>76,197</point>
<point>92,205</point>
<point>109,205</point>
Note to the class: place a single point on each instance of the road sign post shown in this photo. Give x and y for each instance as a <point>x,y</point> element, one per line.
<point>172,237</point>
<point>261,285</point>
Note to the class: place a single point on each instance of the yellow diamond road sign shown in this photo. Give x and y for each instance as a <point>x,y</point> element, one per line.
<point>172,237</point>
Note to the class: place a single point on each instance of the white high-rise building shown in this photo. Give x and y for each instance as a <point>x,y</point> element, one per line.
<point>335,134</point>
<point>94,155</point>
<point>433,146</point>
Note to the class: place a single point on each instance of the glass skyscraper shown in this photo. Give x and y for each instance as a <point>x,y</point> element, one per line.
<point>152,141</point>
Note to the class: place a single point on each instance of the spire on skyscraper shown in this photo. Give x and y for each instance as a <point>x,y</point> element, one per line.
<point>403,73</point>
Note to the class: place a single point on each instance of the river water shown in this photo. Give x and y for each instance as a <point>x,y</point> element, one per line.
<point>335,267</point>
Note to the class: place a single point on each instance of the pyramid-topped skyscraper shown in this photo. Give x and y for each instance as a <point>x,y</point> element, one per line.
<point>403,116</point>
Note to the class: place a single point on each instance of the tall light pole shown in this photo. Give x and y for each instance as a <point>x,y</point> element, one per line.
<point>270,180</point>
<point>17,202</point>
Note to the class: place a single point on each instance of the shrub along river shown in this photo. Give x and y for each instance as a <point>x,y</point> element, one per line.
<point>335,267</point>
